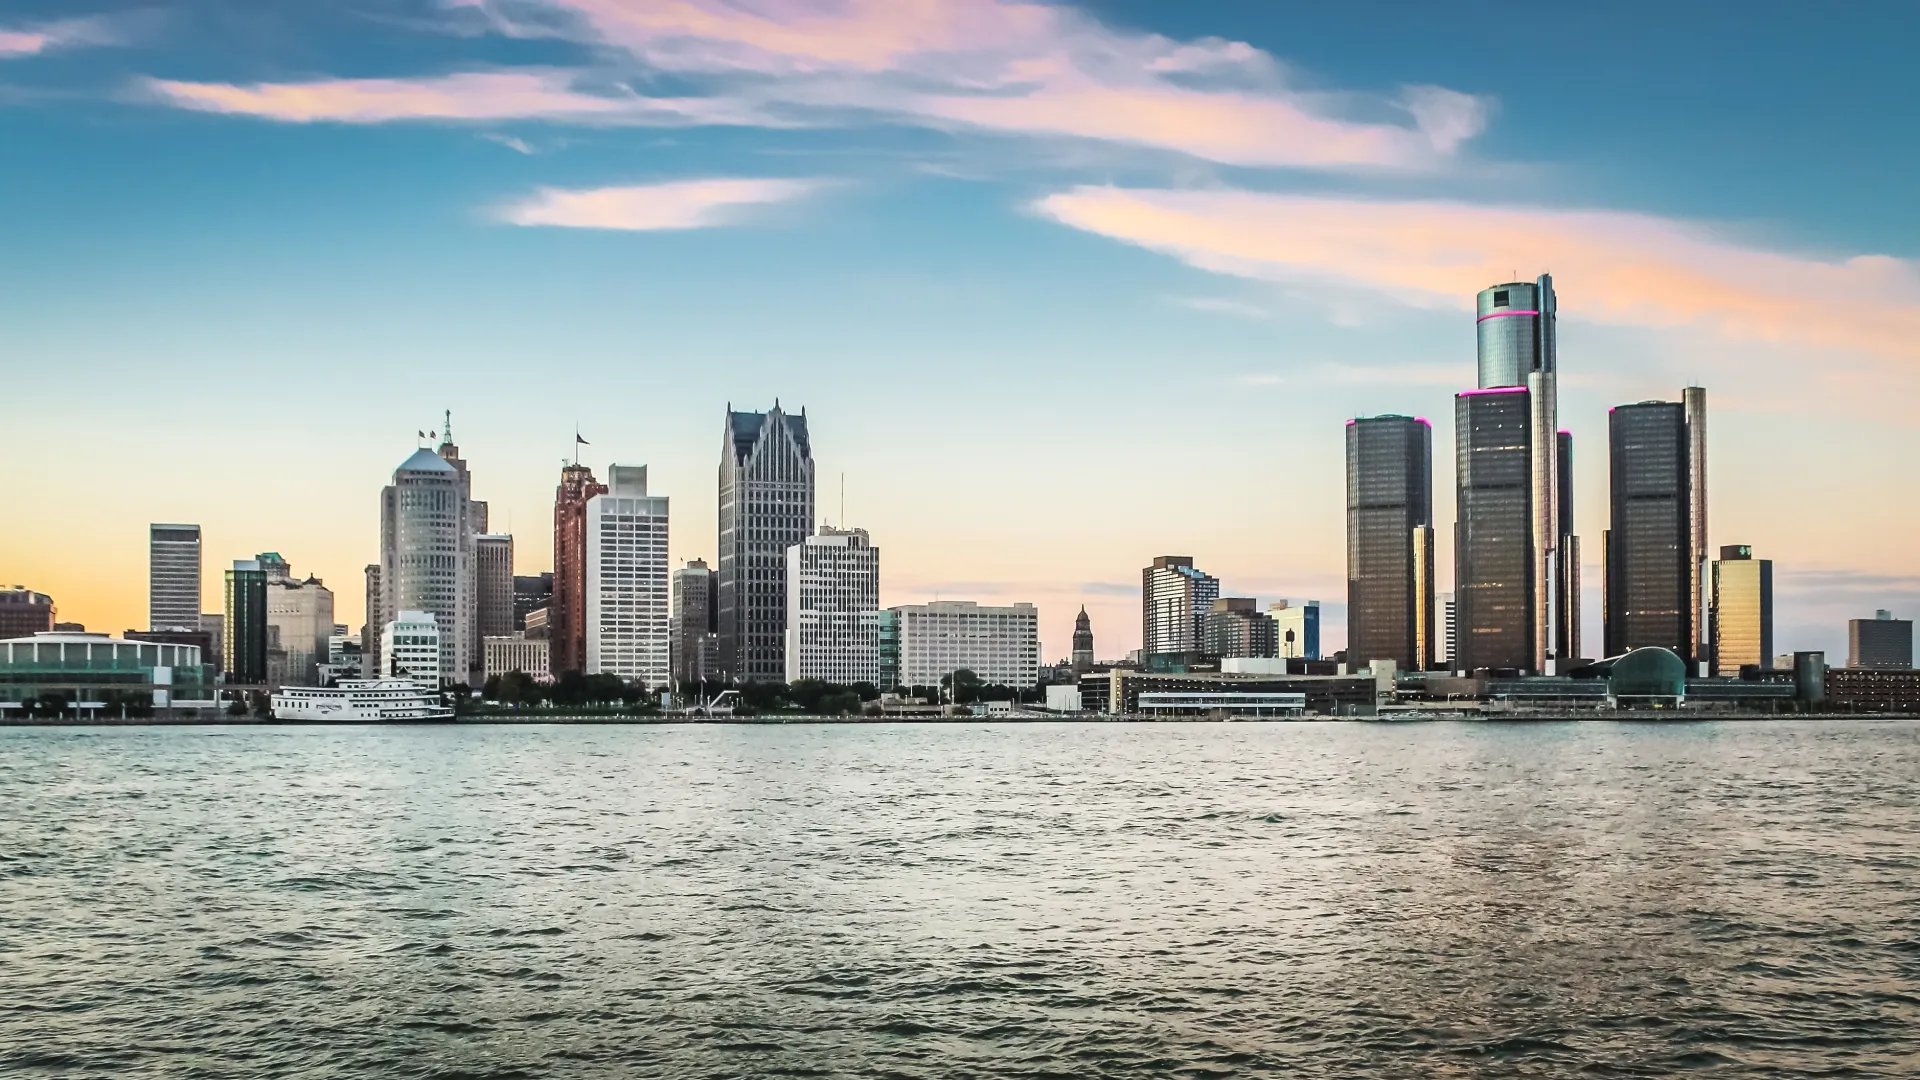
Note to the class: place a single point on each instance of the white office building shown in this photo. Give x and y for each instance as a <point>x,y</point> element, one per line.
<point>173,577</point>
<point>413,647</point>
<point>833,608</point>
<point>999,644</point>
<point>1297,628</point>
<point>628,620</point>
<point>507,653</point>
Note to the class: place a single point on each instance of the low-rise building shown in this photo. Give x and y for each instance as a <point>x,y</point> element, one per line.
<point>507,653</point>
<point>1881,690</point>
<point>1000,645</point>
<point>1235,627</point>
<point>833,608</point>
<point>81,673</point>
<point>411,647</point>
<point>1880,642</point>
<point>24,612</point>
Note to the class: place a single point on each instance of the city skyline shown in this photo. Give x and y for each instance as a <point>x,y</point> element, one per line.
<point>1031,276</point>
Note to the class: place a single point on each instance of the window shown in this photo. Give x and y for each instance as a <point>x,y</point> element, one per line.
<point>1500,298</point>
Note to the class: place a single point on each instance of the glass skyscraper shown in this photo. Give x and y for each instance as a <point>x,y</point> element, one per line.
<point>1389,541</point>
<point>1493,553</point>
<point>1649,548</point>
<point>1742,611</point>
<point>245,642</point>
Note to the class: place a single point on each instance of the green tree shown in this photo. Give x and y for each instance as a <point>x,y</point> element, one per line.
<point>236,706</point>
<point>962,687</point>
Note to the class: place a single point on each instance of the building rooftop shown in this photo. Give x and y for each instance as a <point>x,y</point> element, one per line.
<point>424,460</point>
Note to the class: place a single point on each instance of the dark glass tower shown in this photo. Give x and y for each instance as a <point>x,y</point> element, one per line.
<point>766,507</point>
<point>1389,550</point>
<point>245,643</point>
<point>1566,580</point>
<point>1493,551</point>
<point>1649,549</point>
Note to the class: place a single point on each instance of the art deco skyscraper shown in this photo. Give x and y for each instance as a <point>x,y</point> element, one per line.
<point>766,507</point>
<point>1082,642</point>
<point>493,584</point>
<point>426,554</point>
<point>1175,602</point>
<point>1649,551</point>
<point>1493,554</point>
<point>567,612</point>
<point>173,577</point>
<point>1390,541</point>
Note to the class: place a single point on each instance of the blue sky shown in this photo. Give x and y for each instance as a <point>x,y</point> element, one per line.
<point>1062,288</point>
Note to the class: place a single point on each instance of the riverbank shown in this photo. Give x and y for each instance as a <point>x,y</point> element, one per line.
<point>1623,716</point>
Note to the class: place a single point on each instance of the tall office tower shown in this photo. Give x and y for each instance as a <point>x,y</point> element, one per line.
<point>1693,400</point>
<point>696,624</point>
<point>627,614</point>
<point>1175,601</point>
<point>1742,624</point>
<point>1517,338</point>
<point>1450,633</point>
<point>1082,642</point>
<point>1880,642</point>
<point>493,584</point>
<point>766,507</point>
<point>1648,545</point>
<point>1389,540</point>
<point>300,618</point>
<point>1235,627</point>
<point>833,608</point>
<point>173,577</point>
<point>1297,624</point>
<point>375,622</point>
<point>470,659</point>
<point>245,638</point>
<point>24,612</point>
<point>530,591</point>
<point>214,625</point>
<point>999,644</point>
<point>426,555</point>
<point>567,612</point>
<point>1493,575</point>
<point>1566,578</point>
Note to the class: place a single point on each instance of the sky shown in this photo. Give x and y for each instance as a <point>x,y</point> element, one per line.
<point>1060,287</point>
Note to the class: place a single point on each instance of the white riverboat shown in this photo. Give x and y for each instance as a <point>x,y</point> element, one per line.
<point>363,701</point>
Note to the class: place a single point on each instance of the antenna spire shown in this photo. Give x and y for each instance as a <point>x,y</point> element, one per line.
<point>446,428</point>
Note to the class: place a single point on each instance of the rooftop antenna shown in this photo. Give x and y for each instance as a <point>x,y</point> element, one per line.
<point>446,429</point>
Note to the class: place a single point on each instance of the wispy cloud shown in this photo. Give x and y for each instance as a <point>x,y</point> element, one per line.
<point>1000,66</point>
<point>513,143</point>
<point>682,204</point>
<point>86,32</point>
<point>1220,305</point>
<point>1628,269</point>
<point>471,96</point>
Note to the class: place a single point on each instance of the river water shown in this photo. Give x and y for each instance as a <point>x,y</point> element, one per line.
<point>1183,900</point>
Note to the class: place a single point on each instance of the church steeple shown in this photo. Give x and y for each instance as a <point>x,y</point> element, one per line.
<point>1082,642</point>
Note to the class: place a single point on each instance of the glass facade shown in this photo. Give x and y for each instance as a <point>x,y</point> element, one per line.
<point>80,667</point>
<point>245,638</point>
<point>1742,611</point>
<point>1389,502</point>
<point>1493,531</point>
<point>1514,332</point>
<point>1649,541</point>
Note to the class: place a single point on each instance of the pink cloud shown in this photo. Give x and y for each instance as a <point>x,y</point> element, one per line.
<point>22,43</point>
<point>682,204</point>
<point>473,96</point>
<point>92,30</point>
<point>1621,268</point>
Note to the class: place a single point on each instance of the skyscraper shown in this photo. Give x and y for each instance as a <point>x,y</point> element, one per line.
<point>1517,332</point>
<point>696,624</point>
<point>1493,577</point>
<point>426,554</point>
<point>627,617</point>
<point>1566,578</point>
<point>1742,623</point>
<point>371,630</point>
<point>245,640</point>
<point>470,658</point>
<point>567,613</point>
<point>833,608</point>
<point>766,507</point>
<point>300,617</point>
<point>493,584</point>
<point>1649,551</point>
<point>1082,642</point>
<point>173,577</point>
<point>1390,541</point>
<point>530,591</point>
<point>1175,601</point>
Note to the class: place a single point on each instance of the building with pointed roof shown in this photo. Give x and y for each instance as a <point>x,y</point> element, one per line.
<point>1082,642</point>
<point>426,554</point>
<point>766,507</point>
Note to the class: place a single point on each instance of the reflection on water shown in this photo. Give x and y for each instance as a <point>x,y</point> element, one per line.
<point>1316,900</point>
